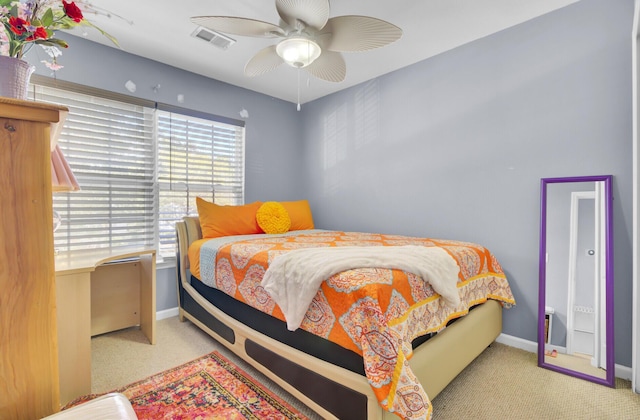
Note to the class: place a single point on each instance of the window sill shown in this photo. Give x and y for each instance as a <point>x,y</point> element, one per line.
<point>164,263</point>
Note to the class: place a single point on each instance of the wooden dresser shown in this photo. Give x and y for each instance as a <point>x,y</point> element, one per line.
<point>28,335</point>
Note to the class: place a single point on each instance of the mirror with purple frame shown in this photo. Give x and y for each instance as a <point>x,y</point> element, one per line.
<point>575,307</point>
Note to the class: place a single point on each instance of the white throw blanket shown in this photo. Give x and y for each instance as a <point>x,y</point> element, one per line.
<point>293,279</point>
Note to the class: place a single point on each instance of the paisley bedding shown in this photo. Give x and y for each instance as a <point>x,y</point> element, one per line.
<point>375,312</point>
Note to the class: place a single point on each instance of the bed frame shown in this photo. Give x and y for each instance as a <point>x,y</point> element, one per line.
<point>332,391</point>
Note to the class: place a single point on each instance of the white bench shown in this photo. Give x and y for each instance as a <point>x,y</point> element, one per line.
<point>113,406</point>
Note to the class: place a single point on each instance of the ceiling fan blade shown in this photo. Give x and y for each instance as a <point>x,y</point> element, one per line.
<point>330,66</point>
<point>239,26</point>
<point>313,13</point>
<point>358,33</point>
<point>265,60</point>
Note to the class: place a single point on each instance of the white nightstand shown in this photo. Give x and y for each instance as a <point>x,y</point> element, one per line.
<point>112,406</point>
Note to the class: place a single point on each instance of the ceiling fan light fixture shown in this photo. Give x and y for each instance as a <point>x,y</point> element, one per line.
<point>298,52</point>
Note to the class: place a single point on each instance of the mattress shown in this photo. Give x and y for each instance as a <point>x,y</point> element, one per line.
<point>409,313</point>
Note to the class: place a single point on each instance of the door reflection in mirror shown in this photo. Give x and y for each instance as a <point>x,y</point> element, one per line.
<point>575,329</point>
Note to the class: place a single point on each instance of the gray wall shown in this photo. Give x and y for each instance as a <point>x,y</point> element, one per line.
<point>455,146</point>
<point>451,147</point>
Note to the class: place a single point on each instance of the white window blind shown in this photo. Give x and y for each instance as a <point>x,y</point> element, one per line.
<point>109,146</point>
<point>196,158</point>
<point>139,170</point>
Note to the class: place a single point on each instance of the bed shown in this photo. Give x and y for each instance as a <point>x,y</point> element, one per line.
<point>328,365</point>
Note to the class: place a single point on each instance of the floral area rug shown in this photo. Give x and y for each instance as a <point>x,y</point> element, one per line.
<point>210,387</point>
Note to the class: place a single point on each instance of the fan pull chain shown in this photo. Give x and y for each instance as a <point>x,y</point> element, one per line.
<point>298,89</point>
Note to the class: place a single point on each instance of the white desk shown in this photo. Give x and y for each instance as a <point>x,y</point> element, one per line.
<point>95,295</point>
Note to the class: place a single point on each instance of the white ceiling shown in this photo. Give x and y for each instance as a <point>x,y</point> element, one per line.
<point>161,30</point>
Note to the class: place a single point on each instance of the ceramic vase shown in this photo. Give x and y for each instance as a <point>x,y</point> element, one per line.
<point>14,77</point>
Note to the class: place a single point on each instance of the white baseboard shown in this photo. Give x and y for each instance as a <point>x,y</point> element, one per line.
<point>622,372</point>
<point>519,343</point>
<point>167,313</point>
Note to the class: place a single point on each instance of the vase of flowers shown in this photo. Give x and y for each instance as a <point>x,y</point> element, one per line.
<point>26,23</point>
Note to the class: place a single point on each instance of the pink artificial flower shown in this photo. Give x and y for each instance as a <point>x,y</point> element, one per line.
<point>52,65</point>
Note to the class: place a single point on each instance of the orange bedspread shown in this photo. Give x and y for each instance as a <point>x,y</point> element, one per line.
<point>373,312</point>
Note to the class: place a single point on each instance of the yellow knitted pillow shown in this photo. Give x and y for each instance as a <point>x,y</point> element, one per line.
<point>272,217</point>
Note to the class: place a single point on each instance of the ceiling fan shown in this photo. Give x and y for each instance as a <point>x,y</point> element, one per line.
<point>309,39</point>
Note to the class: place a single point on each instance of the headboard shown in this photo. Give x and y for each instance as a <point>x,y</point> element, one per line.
<point>187,231</point>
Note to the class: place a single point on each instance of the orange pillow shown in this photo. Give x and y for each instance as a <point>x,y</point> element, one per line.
<point>299,213</point>
<point>216,221</point>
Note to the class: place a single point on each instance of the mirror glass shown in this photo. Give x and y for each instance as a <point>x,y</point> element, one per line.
<point>575,313</point>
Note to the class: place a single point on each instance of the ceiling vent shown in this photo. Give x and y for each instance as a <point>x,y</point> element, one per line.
<point>221,41</point>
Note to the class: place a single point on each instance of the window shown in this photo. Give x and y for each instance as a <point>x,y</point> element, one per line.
<point>140,166</point>
<point>196,157</point>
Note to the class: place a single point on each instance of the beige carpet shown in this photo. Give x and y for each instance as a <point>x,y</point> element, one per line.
<point>502,383</point>
<point>506,383</point>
